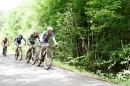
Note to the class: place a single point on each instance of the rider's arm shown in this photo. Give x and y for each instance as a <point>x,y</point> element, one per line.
<point>30,37</point>
<point>15,39</point>
<point>24,40</point>
<point>38,38</point>
<point>8,42</point>
<point>54,39</point>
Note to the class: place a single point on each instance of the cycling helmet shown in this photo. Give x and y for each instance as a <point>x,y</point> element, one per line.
<point>20,36</point>
<point>49,28</point>
<point>35,31</point>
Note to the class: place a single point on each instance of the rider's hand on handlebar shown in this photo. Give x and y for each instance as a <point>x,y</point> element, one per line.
<point>56,45</point>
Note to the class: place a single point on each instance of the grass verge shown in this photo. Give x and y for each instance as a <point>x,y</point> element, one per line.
<point>88,74</point>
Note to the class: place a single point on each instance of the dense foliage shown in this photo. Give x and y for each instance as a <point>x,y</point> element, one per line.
<point>92,34</point>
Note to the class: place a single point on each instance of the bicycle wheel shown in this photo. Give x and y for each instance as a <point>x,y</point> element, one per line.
<point>32,59</point>
<point>28,57</point>
<point>16,55</point>
<point>47,60</point>
<point>20,54</point>
<point>5,52</point>
<point>37,60</point>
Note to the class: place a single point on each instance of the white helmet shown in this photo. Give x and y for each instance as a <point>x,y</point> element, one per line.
<point>35,31</point>
<point>49,28</point>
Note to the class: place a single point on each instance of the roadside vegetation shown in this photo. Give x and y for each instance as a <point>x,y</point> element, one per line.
<point>93,35</point>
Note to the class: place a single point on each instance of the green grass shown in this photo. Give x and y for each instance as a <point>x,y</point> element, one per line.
<point>89,74</point>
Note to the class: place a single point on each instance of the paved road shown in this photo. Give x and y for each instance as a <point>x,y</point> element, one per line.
<point>19,73</point>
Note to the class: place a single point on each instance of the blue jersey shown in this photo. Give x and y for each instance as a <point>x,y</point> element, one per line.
<point>18,39</point>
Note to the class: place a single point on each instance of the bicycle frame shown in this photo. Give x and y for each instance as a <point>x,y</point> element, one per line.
<point>5,49</point>
<point>31,54</point>
<point>46,58</point>
<point>33,47</point>
<point>19,52</point>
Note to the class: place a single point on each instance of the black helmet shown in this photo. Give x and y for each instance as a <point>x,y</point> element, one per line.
<point>5,38</point>
<point>20,36</point>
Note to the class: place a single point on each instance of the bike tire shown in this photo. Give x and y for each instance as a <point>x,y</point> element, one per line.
<point>5,52</point>
<point>37,60</point>
<point>28,57</point>
<point>16,55</point>
<point>47,60</point>
<point>33,57</point>
<point>20,54</point>
<point>32,60</point>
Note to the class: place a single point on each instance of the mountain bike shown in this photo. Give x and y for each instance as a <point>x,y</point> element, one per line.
<point>18,55</point>
<point>47,58</point>
<point>30,55</point>
<point>5,50</point>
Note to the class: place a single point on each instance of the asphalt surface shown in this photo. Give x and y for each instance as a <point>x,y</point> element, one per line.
<point>20,73</point>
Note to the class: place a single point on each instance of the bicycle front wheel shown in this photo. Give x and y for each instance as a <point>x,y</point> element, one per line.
<point>5,52</point>
<point>16,55</point>
<point>48,60</point>
<point>37,60</point>
<point>20,54</point>
<point>32,60</point>
<point>28,57</point>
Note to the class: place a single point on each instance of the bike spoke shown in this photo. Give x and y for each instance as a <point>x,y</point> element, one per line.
<point>48,60</point>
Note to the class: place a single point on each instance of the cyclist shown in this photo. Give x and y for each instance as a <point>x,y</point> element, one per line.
<point>17,41</point>
<point>5,42</point>
<point>45,37</point>
<point>31,40</point>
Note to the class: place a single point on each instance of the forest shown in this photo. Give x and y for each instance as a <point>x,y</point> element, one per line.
<point>93,35</point>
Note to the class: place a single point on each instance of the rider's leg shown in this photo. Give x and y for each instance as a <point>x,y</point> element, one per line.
<point>34,51</point>
<point>28,51</point>
<point>41,51</point>
<point>6,48</point>
<point>3,50</point>
<point>16,49</point>
<point>29,48</point>
<point>16,44</point>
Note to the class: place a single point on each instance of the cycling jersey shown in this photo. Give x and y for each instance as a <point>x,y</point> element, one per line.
<point>45,36</point>
<point>33,38</point>
<point>18,39</point>
<point>5,42</point>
